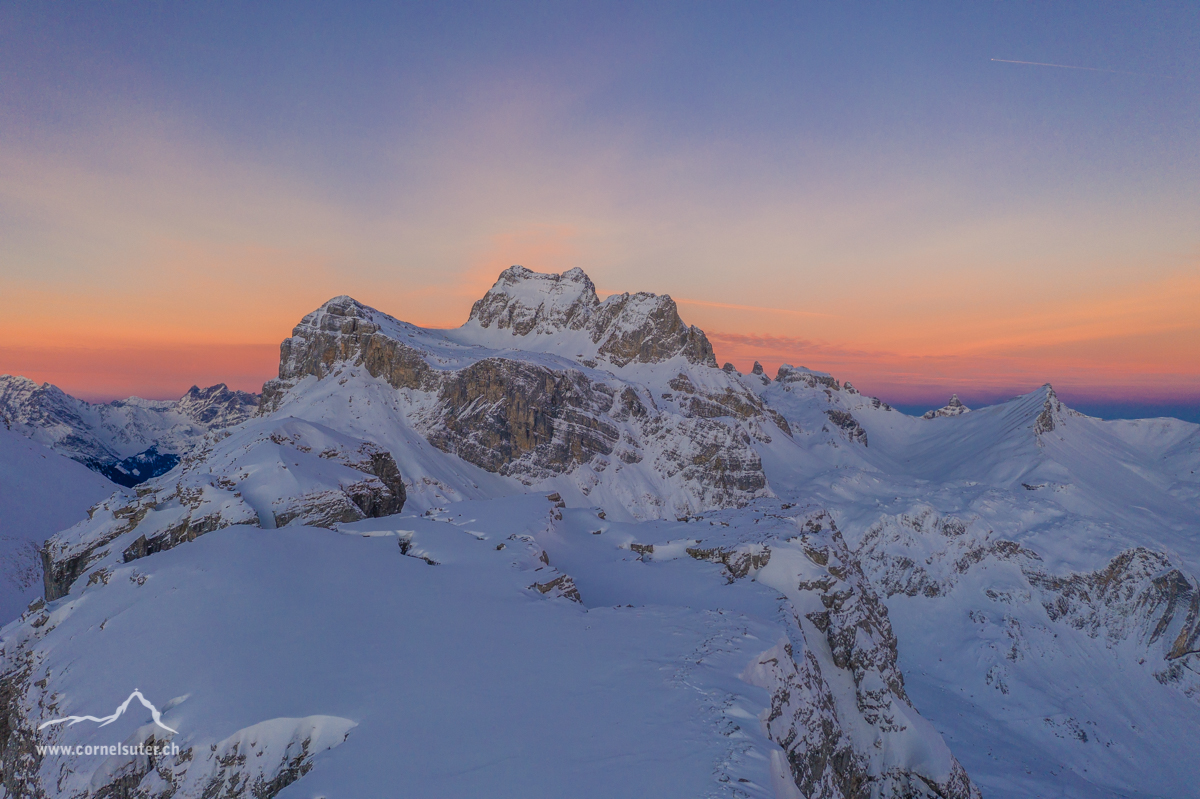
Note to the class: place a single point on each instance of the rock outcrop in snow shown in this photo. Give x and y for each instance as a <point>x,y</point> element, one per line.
<point>838,704</point>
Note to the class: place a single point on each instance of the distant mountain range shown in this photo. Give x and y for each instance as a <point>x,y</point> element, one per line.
<point>574,556</point>
<point>128,441</point>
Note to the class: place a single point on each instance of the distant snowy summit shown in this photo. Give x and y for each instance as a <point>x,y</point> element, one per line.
<point>952,408</point>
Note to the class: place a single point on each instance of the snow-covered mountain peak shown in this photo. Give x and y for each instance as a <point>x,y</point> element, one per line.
<point>334,314</point>
<point>217,406</point>
<point>561,314</point>
<point>18,390</point>
<point>624,387</point>
<point>523,302</point>
<point>16,383</point>
<point>1053,412</point>
<point>954,407</point>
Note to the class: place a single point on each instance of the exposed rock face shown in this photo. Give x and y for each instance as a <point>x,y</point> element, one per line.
<point>738,562</point>
<point>560,586</point>
<point>716,459</point>
<point>343,330</point>
<point>217,406</point>
<point>952,408</point>
<point>1053,414</point>
<point>733,401</point>
<point>626,328</point>
<point>851,429</point>
<point>128,441</point>
<point>1140,594</point>
<point>521,419</point>
<point>832,599</point>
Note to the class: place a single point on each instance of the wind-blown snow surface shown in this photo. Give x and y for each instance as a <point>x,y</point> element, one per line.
<point>41,492</point>
<point>460,681</point>
<point>1037,567</point>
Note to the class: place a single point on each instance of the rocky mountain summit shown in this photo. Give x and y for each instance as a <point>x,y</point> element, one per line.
<point>544,310</point>
<point>748,586</point>
<point>952,408</point>
<point>644,398</point>
<point>128,441</point>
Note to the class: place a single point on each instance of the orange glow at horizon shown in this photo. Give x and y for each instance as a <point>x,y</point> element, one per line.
<point>159,304</point>
<point>1094,346</point>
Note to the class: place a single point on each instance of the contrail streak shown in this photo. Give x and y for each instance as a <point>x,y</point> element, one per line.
<point>1086,69</point>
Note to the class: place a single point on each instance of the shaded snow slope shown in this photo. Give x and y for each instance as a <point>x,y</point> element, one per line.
<point>41,492</point>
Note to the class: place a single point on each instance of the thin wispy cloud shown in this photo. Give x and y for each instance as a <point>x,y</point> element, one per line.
<point>754,308</point>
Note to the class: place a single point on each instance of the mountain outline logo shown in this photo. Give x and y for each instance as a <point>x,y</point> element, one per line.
<point>71,721</point>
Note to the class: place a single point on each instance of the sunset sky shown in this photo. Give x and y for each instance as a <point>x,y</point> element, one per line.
<point>858,188</point>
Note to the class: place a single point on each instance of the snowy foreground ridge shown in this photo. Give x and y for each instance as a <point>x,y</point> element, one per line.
<point>559,552</point>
